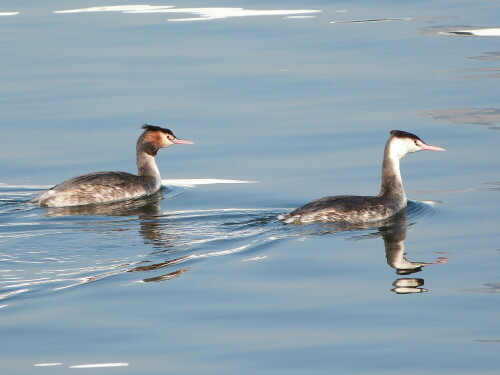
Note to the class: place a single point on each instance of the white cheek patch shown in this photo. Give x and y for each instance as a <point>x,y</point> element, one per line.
<point>399,148</point>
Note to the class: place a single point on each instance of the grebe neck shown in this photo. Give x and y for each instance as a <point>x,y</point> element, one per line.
<point>146,165</point>
<point>392,183</point>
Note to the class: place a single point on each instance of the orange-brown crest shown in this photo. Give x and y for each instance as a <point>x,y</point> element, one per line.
<point>156,139</point>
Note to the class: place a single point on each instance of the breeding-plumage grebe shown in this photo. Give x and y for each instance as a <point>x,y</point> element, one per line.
<point>363,209</point>
<point>106,187</point>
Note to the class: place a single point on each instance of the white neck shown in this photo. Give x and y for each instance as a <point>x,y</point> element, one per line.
<point>392,184</point>
<point>146,165</point>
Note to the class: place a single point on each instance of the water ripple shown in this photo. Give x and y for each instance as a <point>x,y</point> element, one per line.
<point>137,242</point>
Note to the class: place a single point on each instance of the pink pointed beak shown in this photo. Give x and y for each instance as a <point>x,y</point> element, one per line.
<point>427,147</point>
<point>178,141</point>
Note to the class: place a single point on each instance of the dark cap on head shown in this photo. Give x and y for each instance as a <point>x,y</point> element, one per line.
<point>154,128</point>
<point>403,134</point>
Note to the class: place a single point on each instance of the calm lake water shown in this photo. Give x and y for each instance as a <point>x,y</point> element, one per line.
<point>295,98</point>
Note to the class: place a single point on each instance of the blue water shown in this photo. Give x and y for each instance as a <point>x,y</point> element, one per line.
<point>204,278</point>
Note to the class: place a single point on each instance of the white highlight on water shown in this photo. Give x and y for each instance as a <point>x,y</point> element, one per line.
<point>430,203</point>
<point>47,364</point>
<point>203,14</point>
<point>290,17</point>
<point>116,8</point>
<point>254,259</point>
<point>6,295</point>
<point>482,32</point>
<point>491,31</point>
<point>193,182</point>
<point>9,13</point>
<point>99,365</point>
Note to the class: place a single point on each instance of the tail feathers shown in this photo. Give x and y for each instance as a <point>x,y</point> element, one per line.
<point>288,218</point>
<point>41,199</point>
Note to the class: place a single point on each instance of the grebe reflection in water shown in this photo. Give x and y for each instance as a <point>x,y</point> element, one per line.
<point>394,234</point>
<point>143,216</point>
<point>106,187</point>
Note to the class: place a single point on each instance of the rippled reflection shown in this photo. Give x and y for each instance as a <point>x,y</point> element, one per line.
<point>153,229</point>
<point>147,209</point>
<point>135,242</point>
<point>393,232</point>
<point>246,230</point>
<point>131,242</point>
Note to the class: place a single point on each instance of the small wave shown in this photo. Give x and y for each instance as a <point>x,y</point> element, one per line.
<point>420,210</point>
<point>464,31</point>
<point>174,238</point>
<point>137,242</point>
<point>193,182</point>
<point>374,20</point>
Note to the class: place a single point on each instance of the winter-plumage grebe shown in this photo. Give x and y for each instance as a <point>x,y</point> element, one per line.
<point>364,209</point>
<point>106,187</point>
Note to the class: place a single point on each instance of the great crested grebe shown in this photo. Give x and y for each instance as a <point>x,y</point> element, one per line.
<point>106,187</point>
<point>364,209</point>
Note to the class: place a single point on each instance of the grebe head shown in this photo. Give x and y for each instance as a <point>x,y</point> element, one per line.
<point>155,137</point>
<point>402,142</point>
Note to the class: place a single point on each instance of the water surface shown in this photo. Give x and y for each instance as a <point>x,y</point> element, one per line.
<point>296,98</point>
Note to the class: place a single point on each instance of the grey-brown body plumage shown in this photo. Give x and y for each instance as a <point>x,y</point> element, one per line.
<point>98,187</point>
<point>346,208</point>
